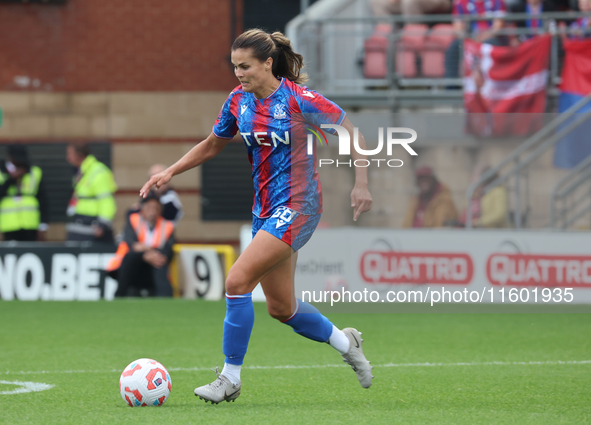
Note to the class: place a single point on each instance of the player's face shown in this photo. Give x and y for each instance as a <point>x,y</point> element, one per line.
<point>251,72</point>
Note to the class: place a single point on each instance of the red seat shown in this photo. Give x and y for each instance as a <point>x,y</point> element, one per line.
<point>375,64</point>
<point>433,54</point>
<point>406,64</point>
<point>414,35</point>
<point>412,41</point>
<point>442,34</point>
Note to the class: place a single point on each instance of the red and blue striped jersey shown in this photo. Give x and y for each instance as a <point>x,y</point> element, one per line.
<point>534,23</point>
<point>274,130</point>
<point>485,8</point>
<point>581,27</point>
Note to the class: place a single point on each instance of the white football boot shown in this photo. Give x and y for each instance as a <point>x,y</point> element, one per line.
<point>356,359</point>
<point>219,390</point>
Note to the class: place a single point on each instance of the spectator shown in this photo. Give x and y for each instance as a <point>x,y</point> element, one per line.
<point>141,262</point>
<point>535,25</point>
<point>24,211</point>
<point>434,206</point>
<point>92,207</point>
<point>172,208</point>
<point>582,26</point>
<point>489,210</point>
<point>409,7</point>
<point>483,31</point>
<point>385,7</point>
<point>425,7</point>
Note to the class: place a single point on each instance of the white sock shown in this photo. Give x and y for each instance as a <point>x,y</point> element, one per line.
<point>232,372</point>
<point>339,341</point>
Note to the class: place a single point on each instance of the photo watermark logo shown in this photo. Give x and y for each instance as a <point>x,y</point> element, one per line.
<point>345,145</point>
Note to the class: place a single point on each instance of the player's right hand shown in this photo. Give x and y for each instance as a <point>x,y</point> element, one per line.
<point>157,180</point>
<point>361,200</point>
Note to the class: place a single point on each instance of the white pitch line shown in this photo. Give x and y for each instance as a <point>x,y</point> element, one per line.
<point>25,387</point>
<point>202,369</point>
<point>533,363</point>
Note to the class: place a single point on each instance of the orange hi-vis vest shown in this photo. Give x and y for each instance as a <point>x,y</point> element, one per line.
<point>160,236</point>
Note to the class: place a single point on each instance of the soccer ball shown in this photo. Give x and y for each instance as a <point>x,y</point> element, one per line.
<point>145,382</point>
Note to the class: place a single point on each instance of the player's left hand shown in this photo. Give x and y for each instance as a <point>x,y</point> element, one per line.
<point>360,200</point>
<point>157,180</point>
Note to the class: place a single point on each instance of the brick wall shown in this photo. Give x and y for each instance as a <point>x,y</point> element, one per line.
<point>109,115</point>
<point>117,45</point>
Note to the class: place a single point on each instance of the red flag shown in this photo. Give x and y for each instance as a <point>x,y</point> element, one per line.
<point>506,82</point>
<point>576,84</point>
<point>576,71</point>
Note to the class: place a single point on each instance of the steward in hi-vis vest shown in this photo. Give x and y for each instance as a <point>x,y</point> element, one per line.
<point>140,264</point>
<point>92,207</point>
<point>24,210</point>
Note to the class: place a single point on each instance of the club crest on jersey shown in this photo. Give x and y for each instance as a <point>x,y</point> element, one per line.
<point>279,112</point>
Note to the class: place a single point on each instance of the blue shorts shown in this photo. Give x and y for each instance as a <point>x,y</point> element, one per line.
<point>292,227</point>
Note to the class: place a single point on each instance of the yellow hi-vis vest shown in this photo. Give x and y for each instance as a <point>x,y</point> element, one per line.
<point>93,193</point>
<point>19,210</point>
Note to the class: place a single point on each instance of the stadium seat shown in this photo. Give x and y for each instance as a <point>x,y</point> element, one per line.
<point>433,53</point>
<point>375,64</point>
<point>412,41</point>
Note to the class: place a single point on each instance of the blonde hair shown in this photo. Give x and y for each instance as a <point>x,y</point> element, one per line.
<point>286,62</point>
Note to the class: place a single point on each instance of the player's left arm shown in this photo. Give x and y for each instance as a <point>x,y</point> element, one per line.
<point>360,197</point>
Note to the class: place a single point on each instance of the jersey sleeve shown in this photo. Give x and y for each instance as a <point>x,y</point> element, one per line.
<point>225,126</point>
<point>318,110</point>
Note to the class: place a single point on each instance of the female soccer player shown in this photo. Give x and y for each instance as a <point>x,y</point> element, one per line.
<point>267,109</point>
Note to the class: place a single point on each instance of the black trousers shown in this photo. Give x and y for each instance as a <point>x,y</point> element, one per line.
<point>138,278</point>
<point>21,235</point>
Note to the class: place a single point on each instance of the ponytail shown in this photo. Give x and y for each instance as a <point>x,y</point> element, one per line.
<point>286,62</point>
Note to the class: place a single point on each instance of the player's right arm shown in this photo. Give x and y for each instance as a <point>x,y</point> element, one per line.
<point>200,153</point>
<point>224,129</point>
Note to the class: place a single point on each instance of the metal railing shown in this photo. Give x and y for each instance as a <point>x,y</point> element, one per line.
<point>522,157</point>
<point>570,199</point>
<point>333,48</point>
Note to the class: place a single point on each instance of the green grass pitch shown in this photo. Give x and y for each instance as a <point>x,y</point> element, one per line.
<point>482,376</point>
